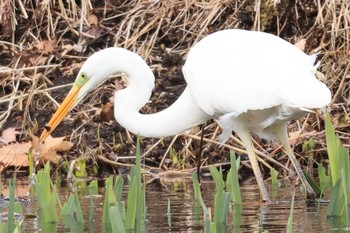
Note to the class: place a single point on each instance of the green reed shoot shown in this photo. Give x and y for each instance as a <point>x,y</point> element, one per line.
<point>47,199</point>
<point>114,214</point>
<point>118,188</point>
<point>168,214</point>
<point>13,224</point>
<point>93,188</point>
<point>135,200</point>
<point>198,197</point>
<point>340,173</point>
<point>115,218</point>
<point>325,180</point>
<point>313,184</point>
<point>290,218</point>
<point>73,208</point>
<point>80,168</point>
<point>11,219</point>
<point>274,180</point>
<point>232,182</point>
<point>222,198</point>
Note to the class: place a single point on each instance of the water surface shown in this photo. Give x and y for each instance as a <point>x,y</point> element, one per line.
<point>187,216</point>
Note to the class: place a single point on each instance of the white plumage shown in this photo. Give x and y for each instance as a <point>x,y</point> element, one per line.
<point>249,81</point>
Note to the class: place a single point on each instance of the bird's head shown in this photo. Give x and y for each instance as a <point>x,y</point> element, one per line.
<point>75,95</point>
<point>97,68</point>
<point>90,75</point>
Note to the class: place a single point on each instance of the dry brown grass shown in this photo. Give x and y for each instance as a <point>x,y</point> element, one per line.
<point>43,43</point>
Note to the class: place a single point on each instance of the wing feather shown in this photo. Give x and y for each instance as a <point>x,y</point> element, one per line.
<point>233,71</point>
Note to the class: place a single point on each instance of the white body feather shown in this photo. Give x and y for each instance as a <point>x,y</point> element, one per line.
<point>252,80</point>
<point>247,80</point>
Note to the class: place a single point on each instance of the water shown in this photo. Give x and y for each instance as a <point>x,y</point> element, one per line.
<point>186,216</point>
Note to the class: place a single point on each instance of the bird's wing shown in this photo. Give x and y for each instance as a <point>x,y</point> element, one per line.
<point>234,71</point>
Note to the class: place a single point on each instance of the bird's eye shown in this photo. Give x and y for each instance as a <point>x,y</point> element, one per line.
<point>84,75</point>
<point>82,79</point>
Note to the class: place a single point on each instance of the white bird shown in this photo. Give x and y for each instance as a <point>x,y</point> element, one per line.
<point>251,82</point>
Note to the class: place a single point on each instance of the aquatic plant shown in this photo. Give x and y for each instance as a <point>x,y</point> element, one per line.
<point>47,199</point>
<point>13,223</point>
<point>340,174</point>
<point>222,198</point>
<point>289,227</point>
<point>232,182</point>
<point>115,216</point>
<point>72,209</point>
<point>80,168</point>
<point>198,197</point>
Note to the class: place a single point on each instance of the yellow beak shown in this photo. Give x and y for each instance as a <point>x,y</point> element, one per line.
<point>67,104</point>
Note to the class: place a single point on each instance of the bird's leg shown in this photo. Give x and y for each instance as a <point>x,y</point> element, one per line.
<point>199,158</point>
<point>245,136</point>
<point>282,135</point>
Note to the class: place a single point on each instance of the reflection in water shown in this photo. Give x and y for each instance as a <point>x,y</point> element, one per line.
<point>253,216</point>
<point>187,216</point>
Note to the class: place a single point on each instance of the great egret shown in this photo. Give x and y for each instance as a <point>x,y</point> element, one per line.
<point>251,82</point>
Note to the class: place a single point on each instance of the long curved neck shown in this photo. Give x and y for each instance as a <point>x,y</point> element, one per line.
<point>183,114</point>
<point>180,116</point>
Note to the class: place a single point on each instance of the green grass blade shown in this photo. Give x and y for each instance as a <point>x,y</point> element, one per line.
<point>290,219</point>
<point>140,202</point>
<point>77,208</point>
<point>325,181</point>
<point>11,220</point>
<point>346,195</point>
<point>93,188</point>
<point>222,202</point>
<point>130,216</point>
<point>339,171</point>
<point>18,207</point>
<point>333,150</point>
<point>115,219</point>
<point>68,206</point>
<point>217,176</point>
<point>336,202</point>
<point>118,187</point>
<point>80,168</point>
<point>237,218</point>
<point>232,182</point>
<point>106,201</point>
<point>169,213</point>
<point>92,211</point>
<point>313,184</point>
<point>274,180</point>
<point>199,199</point>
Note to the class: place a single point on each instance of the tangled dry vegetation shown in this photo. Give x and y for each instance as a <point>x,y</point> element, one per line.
<point>44,43</point>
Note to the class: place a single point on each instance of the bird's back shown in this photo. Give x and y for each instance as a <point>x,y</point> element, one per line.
<point>234,71</point>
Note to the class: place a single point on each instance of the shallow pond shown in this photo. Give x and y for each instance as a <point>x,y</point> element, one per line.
<point>186,216</point>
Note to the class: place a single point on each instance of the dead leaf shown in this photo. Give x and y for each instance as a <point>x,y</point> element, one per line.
<point>107,112</point>
<point>51,145</point>
<point>9,135</point>
<point>93,32</point>
<point>92,19</point>
<point>46,46</point>
<point>15,154</point>
<point>320,76</point>
<point>6,18</point>
<point>33,58</point>
<point>301,44</point>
